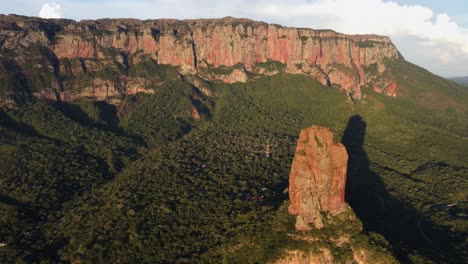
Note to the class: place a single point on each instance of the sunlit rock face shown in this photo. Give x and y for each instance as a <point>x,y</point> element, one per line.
<point>318,177</point>
<point>65,50</point>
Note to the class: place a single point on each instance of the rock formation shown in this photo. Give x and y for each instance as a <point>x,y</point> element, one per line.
<point>325,256</point>
<point>317,179</point>
<point>299,257</point>
<point>58,56</point>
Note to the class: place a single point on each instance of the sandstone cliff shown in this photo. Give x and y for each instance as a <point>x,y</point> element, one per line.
<point>64,60</point>
<point>317,179</point>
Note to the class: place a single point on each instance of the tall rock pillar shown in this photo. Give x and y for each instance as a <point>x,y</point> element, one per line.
<point>317,179</point>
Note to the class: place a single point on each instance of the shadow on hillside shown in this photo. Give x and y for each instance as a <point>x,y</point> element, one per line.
<point>21,230</point>
<point>20,128</point>
<point>381,212</point>
<point>26,207</point>
<point>107,116</point>
<point>108,113</point>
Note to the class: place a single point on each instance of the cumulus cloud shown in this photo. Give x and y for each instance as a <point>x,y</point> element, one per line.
<point>51,10</point>
<point>439,37</point>
<point>375,16</point>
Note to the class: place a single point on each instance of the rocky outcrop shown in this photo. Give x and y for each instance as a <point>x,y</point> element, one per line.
<point>299,257</point>
<point>69,50</point>
<point>317,179</point>
<point>324,256</point>
<point>388,88</point>
<point>99,89</point>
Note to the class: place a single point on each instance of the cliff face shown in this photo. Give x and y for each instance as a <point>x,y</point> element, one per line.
<point>317,179</point>
<point>66,52</point>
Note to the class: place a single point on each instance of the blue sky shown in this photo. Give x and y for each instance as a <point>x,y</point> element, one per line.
<point>430,33</point>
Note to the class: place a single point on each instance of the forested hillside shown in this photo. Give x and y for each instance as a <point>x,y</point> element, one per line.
<point>80,182</point>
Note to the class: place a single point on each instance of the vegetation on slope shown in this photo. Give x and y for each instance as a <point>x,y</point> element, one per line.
<point>153,184</point>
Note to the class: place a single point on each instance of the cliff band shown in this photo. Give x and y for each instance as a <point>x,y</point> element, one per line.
<point>52,58</point>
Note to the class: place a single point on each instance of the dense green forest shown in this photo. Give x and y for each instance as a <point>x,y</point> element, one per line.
<point>88,182</point>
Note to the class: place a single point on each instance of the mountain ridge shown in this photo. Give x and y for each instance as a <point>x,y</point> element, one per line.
<point>463,80</point>
<point>16,18</point>
<point>227,49</point>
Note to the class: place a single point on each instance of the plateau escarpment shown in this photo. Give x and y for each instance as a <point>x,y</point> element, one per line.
<point>67,60</point>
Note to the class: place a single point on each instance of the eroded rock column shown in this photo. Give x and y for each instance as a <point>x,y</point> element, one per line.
<point>317,179</point>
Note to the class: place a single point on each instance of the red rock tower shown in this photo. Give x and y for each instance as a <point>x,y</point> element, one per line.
<point>317,179</point>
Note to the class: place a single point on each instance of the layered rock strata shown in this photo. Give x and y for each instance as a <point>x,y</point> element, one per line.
<point>225,49</point>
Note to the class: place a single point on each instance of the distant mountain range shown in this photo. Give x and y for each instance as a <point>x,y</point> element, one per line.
<point>460,80</point>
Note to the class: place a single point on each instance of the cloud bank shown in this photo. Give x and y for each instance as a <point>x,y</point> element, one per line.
<point>376,16</point>
<point>421,35</point>
<point>51,10</point>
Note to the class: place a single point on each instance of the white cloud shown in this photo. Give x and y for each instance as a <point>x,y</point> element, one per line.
<point>51,10</point>
<point>433,32</point>
<point>375,16</point>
